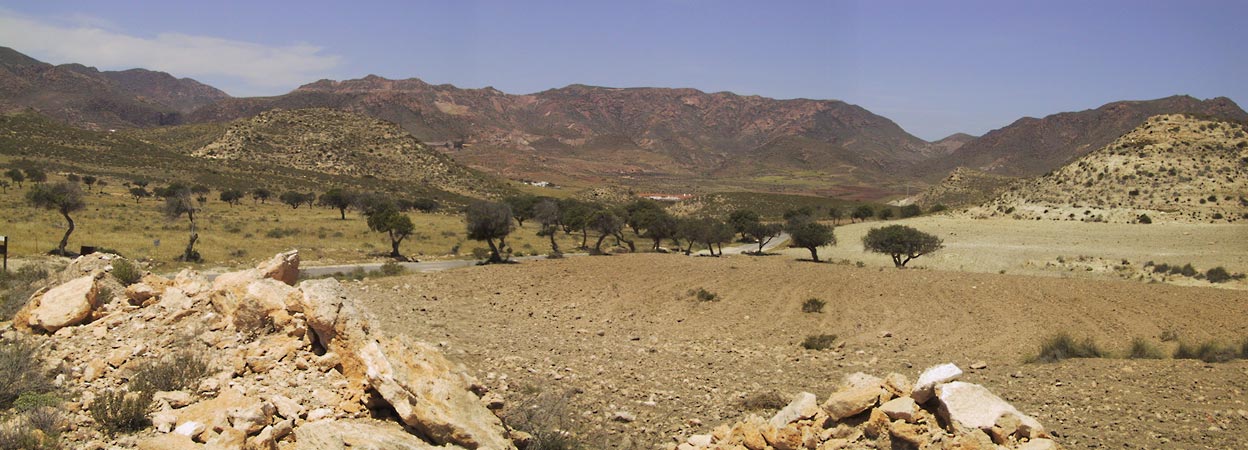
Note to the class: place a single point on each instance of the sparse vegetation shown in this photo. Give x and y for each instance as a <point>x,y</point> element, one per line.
<point>175,372</point>
<point>1142,349</point>
<point>548,418</point>
<point>1208,351</point>
<point>17,286</point>
<point>703,295</point>
<point>813,305</point>
<point>762,401</point>
<point>118,411</point>
<point>1218,275</point>
<point>126,272</point>
<point>819,341</point>
<point>21,369</point>
<point>1062,346</point>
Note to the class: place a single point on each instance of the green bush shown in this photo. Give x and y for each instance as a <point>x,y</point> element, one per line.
<point>1217,275</point>
<point>118,411</point>
<point>126,272</point>
<point>1062,346</point>
<point>173,373</point>
<point>1142,349</point>
<point>813,305</point>
<point>1209,352</point>
<point>1144,219</point>
<point>819,341</point>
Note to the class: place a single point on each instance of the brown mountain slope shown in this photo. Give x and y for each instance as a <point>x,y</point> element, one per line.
<point>1171,168</point>
<point>328,141</point>
<point>86,97</point>
<point>577,128</point>
<point>952,143</point>
<point>1030,146</point>
<point>965,187</point>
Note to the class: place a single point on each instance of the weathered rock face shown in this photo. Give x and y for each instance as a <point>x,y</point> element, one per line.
<point>62,306</point>
<point>278,359</point>
<point>430,394</point>
<point>850,419</point>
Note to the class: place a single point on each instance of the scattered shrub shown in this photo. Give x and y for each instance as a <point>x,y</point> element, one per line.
<point>1142,349</point>
<point>764,400</point>
<point>1144,219</point>
<point>813,305</point>
<point>1217,275</point>
<point>17,286</point>
<point>1209,352</point>
<point>1188,270</point>
<point>392,268</point>
<point>173,373</point>
<point>704,295</point>
<point>819,341</point>
<point>1169,336</point>
<point>547,418</point>
<point>118,411</point>
<point>104,295</point>
<point>126,272</point>
<point>21,371</point>
<point>278,233</point>
<point>1062,346</point>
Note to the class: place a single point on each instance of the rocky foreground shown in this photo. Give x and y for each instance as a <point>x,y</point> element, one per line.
<point>288,366</point>
<point>301,366</point>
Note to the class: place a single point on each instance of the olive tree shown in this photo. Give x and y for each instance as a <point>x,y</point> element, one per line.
<point>387,219</point>
<point>179,202</point>
<point>809,234</point>
<point>337,198</point>
<point>606,223</point>
<point>231,196</point>
<point>546,213</point>
<point>65,198</point>
<point>489,221</point>
<point>261,195</point>
<point>901,242</point>
<point>522,207</point>
<point>16,175</point>
<point>762,233</point>
<point>862,213</point>
<point>742,220</point>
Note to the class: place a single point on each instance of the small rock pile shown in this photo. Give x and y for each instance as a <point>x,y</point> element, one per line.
<point>288,366</point>
<point>936,412</point>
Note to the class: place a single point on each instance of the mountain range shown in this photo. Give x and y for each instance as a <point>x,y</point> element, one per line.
<point>578,133</point>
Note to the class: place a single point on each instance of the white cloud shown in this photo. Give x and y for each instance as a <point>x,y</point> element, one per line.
<point>258,68</point>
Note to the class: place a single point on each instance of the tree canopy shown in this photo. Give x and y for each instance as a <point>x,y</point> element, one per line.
<point>901,242</point>
<point>489,221</point>
<point>65,198</point>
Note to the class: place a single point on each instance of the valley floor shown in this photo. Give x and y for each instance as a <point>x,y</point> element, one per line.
<point>623,336</point>
<point>1063,249</point>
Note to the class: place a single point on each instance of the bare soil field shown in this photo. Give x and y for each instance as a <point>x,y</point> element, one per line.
<point>621,351</point>
<point>1034,247</point>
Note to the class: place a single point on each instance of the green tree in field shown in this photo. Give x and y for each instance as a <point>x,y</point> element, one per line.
<point>861,213</point>
<point>640,211</point>
<point>36,175</point>
<point>489,221</point>
<point>717,233</point>
<point>65,198</point>
<point>574,216</point>
<point>901,242</point>
<point>546,213</point>
<point>338,198</point>
<point>179,202</point>
<point>139,193</point>
<point>16,175</point>
<point>293,199</point>
<point>231,196</point>
<point>835,213</point>
<point>910,210</point>
<point>387,219</point>
<point>90,181</point>
<point>522,207</point>
<point>261,195</point>
<point>742,220</point>
<point>606,223</point>
<point>763,233</point>
<point>885,213</point>
<point>805,232</point>
<point>660,226</point>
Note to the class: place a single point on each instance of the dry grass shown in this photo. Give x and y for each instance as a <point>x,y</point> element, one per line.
<point>1062,346</point>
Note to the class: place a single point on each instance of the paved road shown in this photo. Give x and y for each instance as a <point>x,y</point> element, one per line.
<point>437,266</point>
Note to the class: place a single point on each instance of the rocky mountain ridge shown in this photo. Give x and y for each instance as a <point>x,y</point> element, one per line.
<point>89,98</point>
<point>1177,168</point>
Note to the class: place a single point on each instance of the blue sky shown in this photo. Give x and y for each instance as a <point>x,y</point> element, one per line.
<point>933,67</point>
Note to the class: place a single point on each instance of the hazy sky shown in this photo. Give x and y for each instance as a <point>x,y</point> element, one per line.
<point>933,67</point>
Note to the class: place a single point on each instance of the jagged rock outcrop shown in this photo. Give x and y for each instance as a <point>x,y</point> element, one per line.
<point>276,357</point>
<point>869,412</point>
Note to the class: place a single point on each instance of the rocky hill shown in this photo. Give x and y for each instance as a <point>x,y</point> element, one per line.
<point>1171,168</point>
<point>1030,146</point>
<point>639,130</point>
<point>965,187</point>
<point>342,143</point>
<point>86,97</point>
